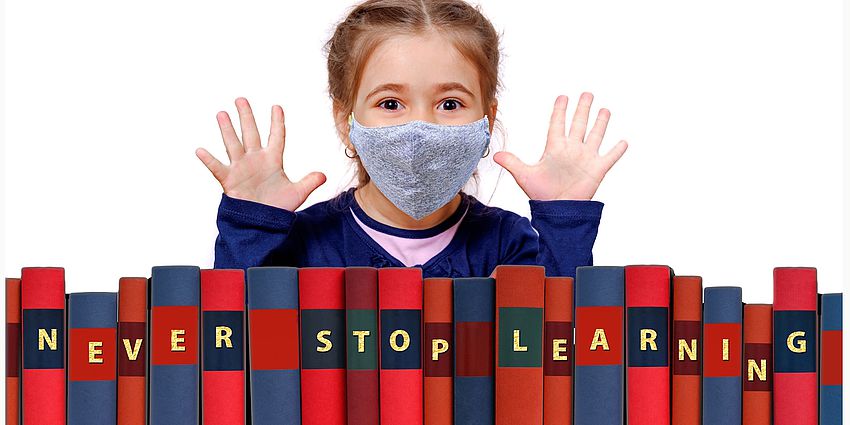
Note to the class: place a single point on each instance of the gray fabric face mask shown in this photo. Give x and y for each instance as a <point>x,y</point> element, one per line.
<point>420,166</point>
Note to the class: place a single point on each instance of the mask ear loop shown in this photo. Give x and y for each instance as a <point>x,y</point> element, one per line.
<point>498,177</point>
<point>487,152</point>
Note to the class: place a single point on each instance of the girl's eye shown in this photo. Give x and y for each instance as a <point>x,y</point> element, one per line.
<point>451,104</point>
<point>391,104</point>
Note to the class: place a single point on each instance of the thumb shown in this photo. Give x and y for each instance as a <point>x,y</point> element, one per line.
<point>511,163</point>
<point>310,182</point>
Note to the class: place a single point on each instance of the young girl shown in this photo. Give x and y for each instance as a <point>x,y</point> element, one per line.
<point>413,85</point>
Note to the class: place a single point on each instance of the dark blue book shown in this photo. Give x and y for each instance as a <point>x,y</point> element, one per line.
<point>275,388</point>
<point>831,358</point>
<point>722,352</point>
<point>599,345</point>
<point>474,347</point>
<point>92,360</point>
<point>174,387</point>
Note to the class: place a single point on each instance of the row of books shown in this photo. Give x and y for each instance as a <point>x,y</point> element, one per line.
<point>360,345</point>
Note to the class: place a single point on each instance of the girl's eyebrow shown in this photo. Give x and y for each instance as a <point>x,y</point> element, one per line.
<point>444,87</point>
<point>387,87</point>
<point>439,88</point>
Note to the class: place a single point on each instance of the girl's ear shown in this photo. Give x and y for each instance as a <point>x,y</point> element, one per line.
<point>491,114</point>
<point>341,123</point>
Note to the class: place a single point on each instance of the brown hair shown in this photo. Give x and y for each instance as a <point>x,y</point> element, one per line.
<point>373,21</point>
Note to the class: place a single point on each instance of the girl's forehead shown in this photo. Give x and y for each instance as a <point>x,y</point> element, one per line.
<point>418,63</point>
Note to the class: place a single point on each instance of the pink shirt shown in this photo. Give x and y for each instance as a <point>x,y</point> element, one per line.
<point>411,247</point>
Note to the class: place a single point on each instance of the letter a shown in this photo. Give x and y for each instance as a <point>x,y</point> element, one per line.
<point>599,338</point>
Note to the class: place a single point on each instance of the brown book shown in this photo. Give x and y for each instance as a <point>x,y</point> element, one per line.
<point>13,350</point>
<point>132,344</point>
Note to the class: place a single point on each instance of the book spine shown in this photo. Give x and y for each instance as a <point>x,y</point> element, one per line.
<point>519,344</point>
<point>795,380</point>
<point>558,351</point>
<point>599,322</point>
<point>92,368</point>
<point>687,350</point>
<point>322,302</point>
<point>361,322</point>
<point>721,398</point>
<point>474,318</point>
<point>132,348</point>
<point>223,346</point>
<point>13,351</point>
<point>830,361</point>
<point>648,342</point>
<point>757,402</point>
<point>43,345</point>
<point>438,353</point>
<point>273,335</point>
<point>174,345</point>
<point>400,329</point>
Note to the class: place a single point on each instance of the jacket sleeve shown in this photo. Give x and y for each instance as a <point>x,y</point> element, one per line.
<point>560,236</point>
<point>253,234</point>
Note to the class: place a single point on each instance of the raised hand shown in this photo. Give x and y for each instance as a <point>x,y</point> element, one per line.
<point>571,167</point>
<point>255,172</point>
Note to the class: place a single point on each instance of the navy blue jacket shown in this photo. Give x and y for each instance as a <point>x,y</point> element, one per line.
<point>559,236</point>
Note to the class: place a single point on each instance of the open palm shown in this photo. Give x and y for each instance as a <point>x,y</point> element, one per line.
<point>255,172</point>
<point>570,167</point>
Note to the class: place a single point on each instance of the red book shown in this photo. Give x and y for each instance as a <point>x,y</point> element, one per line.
<point>647,343</point>
<point>43,336</point>
<point>757,404</point>
<point>400,329</point>
<point>795,380</point>
<point>557,351</point>
<point>223,346</point>
<point>13,350</point>
<point>438,355</point>
<point>519,344</point>
<point>321,293</point>
<point>132,333</point>
<point>687,350</point>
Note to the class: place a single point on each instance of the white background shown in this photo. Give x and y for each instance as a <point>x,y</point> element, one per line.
<point>733,112</point>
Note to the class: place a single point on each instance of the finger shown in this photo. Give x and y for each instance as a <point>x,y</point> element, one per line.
<point>558,121</point>
<point>579,125</point>
<point>231,140</point>
<point>514,165</point>
<point>594,138</point>
<point>218,170</point>
<point>611,158</point>
<point>277,134</point>
<point>250,134</point>
<point>310,182</point>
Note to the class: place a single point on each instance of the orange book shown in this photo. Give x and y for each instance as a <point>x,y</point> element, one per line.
<point>132,344</point>
<point>437,353</point>
<point>519,344</point>
<point>557,351</point>
<point>758,364</point>
<point>687,350</point>
<point>13,350</point>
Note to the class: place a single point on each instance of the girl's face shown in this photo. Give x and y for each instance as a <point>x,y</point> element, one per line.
<point>420,77</point>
